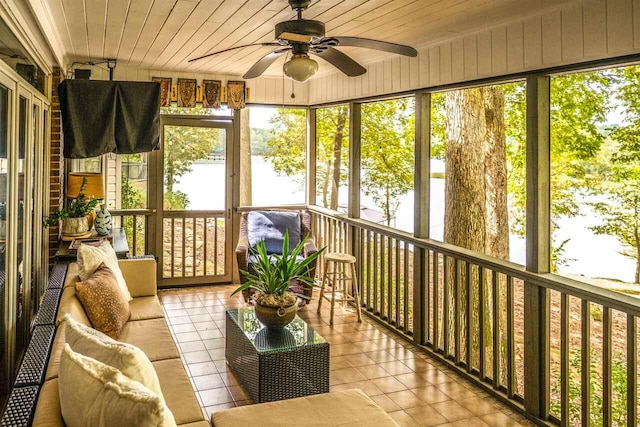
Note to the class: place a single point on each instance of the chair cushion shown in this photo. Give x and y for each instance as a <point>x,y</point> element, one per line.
<point>339,408</point>
<point>270,227</point>
<point>104,302</point>
<point>48,412</point>
<point>178,391</point>
<point>90,257</point>
<point>126,358</point>
<point>92,393</point>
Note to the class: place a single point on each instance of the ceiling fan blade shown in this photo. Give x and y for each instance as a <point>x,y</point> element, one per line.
<point>263,63</point>
<point>370,44</point>
<point>341,61</point>
<point>234,48</point>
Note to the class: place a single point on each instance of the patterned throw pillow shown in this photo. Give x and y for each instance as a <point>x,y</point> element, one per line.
<point>105,305</point>
<point>90,257</point>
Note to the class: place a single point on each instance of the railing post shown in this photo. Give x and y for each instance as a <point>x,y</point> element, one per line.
<point>422,179</point>
<point>536,298</point>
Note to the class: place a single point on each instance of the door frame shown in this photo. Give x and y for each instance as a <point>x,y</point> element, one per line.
<point>157,197</point>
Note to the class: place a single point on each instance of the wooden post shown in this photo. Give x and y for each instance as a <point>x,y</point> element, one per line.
<point>422,177</point>
<point>536,299</point>
<point>355,140</point>
<point>311,156</point>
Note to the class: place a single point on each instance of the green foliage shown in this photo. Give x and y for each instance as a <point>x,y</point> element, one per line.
<point>615,182</point>
<point>78,208</point>
<point>274,273</point>
<point>618,384</point>
<point>260,141</point>
<point>387,152</point>
<point>175,200</point>
<point>287,141</point>
<point>130,197</point>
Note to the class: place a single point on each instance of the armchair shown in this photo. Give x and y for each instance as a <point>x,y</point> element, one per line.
<point>270,226</point>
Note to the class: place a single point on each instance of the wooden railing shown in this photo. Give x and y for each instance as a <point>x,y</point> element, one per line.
<point>194,245</point>
<point>559,350</point>
<point>135,223</point>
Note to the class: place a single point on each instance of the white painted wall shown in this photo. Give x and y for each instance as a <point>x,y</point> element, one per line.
<point>590,30</point>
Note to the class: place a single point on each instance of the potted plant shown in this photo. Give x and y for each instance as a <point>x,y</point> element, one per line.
<point>75,218</point>
<point>273,275</point>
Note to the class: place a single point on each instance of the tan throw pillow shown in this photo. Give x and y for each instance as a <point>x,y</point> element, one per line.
<point>90,257</point>
<point>95,394</point>
<point>126,358</point>
<point>106,307</point>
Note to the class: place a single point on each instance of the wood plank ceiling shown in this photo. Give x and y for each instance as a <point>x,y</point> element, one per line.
<point>164,34</point>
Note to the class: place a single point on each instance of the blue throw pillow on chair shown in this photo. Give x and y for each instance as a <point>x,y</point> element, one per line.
<point>270,227</point>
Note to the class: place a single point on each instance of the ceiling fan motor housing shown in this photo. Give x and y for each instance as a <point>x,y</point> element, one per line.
<point>306,27</point>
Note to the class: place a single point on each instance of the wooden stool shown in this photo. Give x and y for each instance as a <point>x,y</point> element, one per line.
<point>338,279</point>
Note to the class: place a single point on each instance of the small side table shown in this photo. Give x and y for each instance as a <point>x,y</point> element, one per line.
<point>120,245</point>
<point>276,365</point>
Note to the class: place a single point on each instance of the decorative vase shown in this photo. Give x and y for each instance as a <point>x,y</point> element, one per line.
<point>103,221</point>
<point>75,227</point>
<point>276,316</point>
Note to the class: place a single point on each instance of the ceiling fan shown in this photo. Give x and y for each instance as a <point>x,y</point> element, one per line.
<point>304,37</point>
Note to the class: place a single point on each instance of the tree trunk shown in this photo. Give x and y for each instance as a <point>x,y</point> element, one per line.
<point>476,215</point>
<point>465,203</point>
<point>495,163</point>
<point>341,122</point>
<point>246,198</point>
<point>497,220</point>
<point>326,177</point>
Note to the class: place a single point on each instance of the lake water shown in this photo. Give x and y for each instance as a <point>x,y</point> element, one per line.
<point>588,254</point>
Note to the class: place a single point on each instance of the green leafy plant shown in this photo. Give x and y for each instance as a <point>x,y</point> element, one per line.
<point>79,207</point>
<point>274,273</point>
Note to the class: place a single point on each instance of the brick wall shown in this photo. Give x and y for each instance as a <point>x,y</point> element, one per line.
<point>56,174</point>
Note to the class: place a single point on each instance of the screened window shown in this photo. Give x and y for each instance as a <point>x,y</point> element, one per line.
<point>273,156</point>
<point>478,170</point>
<point>332,157</point>
<point>387,163</point>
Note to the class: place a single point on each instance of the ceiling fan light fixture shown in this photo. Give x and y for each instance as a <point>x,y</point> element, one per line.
<point>300,67</point>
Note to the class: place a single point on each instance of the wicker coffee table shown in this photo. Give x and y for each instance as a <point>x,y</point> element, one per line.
<point>275,365</point>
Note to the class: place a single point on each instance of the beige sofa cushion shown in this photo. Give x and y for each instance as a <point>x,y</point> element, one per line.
<point>48,412</point>
<point>340,408</point>
<point>140,275</point>
<point>143,308</point>
<point>178,391</point>
<point>151,336</point>
<point>95,394</point>
<point>69,303</point>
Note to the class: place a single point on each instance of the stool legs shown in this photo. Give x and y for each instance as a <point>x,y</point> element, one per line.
<point>323,284</point>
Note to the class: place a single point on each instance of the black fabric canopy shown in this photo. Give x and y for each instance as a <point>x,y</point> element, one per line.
<point>101,117</point>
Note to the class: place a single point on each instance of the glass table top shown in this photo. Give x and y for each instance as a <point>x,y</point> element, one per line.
<point>296,334</point>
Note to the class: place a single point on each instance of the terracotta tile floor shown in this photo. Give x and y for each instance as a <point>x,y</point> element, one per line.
<point>412,387</point>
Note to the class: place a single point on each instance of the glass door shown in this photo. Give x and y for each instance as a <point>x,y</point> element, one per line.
<point>194,239</point>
